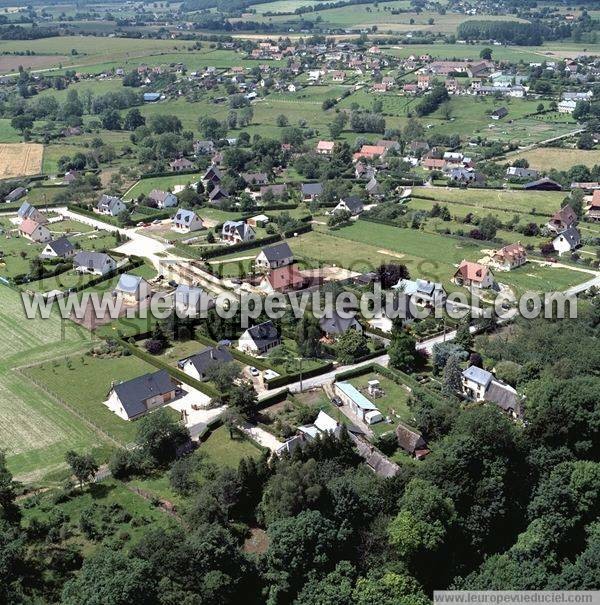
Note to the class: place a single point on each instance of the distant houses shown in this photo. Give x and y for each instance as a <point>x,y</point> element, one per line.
<point>186,221</point>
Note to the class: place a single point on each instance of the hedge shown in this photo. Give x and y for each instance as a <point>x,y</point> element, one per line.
<point>174,372</point>
<point>152,175</point>
<point>235,353</point>
<point>273,399</point>
<point>280,381</point>
<point>111,220</point>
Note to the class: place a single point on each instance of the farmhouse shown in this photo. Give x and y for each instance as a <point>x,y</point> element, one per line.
<point>110,205</point>
<point>34,231</point>
<point>163,199</point>
<point>274,256</point>
<point>510,257</point>
<point>422,291</point>
<point>480,385</point>
<point>325,147</point>
<point>132,288</point>
<point>196,365</point>
<point>567,241</point>
<point>235,232</point>
<point>181,165</point>
<point>411,441</point>
<point>97,263</point>
<point>473,274</point>
<point>351,204</point>
<point>361,407</point>
<point>259,339</point>
<point>186,221</point>
<point>282,279</point>
<point>58,248</point>
<point>135,398</point>
<point>562,219</point>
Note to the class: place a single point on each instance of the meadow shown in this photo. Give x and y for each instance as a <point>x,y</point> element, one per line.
<point>543,157</point>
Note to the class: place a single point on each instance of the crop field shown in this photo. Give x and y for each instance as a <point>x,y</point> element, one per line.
<point>21,159</point>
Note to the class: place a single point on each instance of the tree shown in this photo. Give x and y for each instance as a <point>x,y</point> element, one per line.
<point>22,122</point>
<point>486,54</point>
<point>242,398</point>
<point>452,376</point>
<point>335,588</point>
<point>111,120</point>
<point>223,375</point>
<point>586,141</point>
<point>9,511</point>
<point>308,336</point>
<point>442,351</point>
<point>350,346</point>
<point>389,588</point>
<point>282,121</point>
<point>391,273</point>
<point>403,351</point>
<point>464,338</point>
<point>133,119</point>
<point>83,466</point>
<point>159,436</point>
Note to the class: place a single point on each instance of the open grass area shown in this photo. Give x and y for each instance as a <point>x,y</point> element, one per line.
<point>224,451</point>
<point>164,183</point>
<point>543,157</point>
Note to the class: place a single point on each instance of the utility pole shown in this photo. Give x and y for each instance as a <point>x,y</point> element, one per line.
<point>300,359</point>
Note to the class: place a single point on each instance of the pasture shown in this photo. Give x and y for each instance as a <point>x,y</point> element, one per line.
<point>543,157</point>
<point>20,159</point>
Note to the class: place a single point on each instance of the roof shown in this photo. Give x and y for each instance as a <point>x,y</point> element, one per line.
<point>516,250</point>
<point>129,283</point>
<point>312,188</point>
<point>566,216</point>
<point>276,190</point>
<point>477,375</point>
<point>61,246</point>
<point>278,252</point>
<point>239,227</point>
<point>353,202</point>
<point>186,294</point>
<point>25,210</point>
<point>325,422</point>
<point>158,195</point>
<point>109,201</point>
<point>504,396</point>
<point>336,324</point>
<point>420,286</point>
<point>357,397</point>
<point>409,439</point>
<point>254,177</point>
<point>263,334</point>
<point>151,96</point>
<point>94,260</point>
<point>28,226</point>
<point>285,277</point>
<point>207,357</point>
<point>184,216</point>
<point>134,393</point>
<point>571,235</point>
<point>382,465</point>
<point>325,145</point>
<point>544,183</point>
<point>472,271</point>
<point>500,112</point>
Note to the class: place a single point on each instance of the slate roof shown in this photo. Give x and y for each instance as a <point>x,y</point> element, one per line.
<point>477,375</point>
<point>134,393</point>
<point>109,202</point>
<point>129,283</point>
<point>207,357</point>
<point>278,252</point>
<point>61,246</point>
<point>572,236</point>
<point>418,286</point>
<point>159,196</point>
<point>312,188</point>
<point>91,260</point>
<point>336,324</point>
<point>184,216</point>
<point>354,203</point>
<point>263,334</point>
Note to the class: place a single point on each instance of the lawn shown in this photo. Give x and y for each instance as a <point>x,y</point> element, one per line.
<point>164,183</point>
<point>224,451</point>
<point>545,157</point>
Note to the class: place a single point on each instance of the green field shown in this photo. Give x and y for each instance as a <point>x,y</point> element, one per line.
<point>224,451</point>
<point>164,183</point>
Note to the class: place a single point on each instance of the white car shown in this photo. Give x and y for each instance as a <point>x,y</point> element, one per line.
<point>254,371</point>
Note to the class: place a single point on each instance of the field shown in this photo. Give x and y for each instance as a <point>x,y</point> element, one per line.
<point>164,183</point>
<point>224,451</point>
<point>22,159</point>
<point>543,157</point>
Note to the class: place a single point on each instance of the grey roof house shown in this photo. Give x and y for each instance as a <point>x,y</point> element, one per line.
<point>97,263</point>
<point>196,365</point>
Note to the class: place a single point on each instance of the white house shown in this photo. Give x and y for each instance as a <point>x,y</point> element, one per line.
<point>422,291</point>
<point>97,263</point>
<point>190,301</point>
<point>259,339</point>
<point>58,248</point>
<point>272,257</point>
<point>480,385</point>
<point>186,221</point>
<point>235,232</point>
<point>197,365</point>
<point>132,288</point>
<point>567,106</point>
<point>163,199</point>
<point>110,205</point>
<point>352,204</point>
<point>567,241</point>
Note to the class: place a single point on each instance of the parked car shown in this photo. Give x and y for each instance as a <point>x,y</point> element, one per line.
<point>254,371</point>
<point>337,402</point>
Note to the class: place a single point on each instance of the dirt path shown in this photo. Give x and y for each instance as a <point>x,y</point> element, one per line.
<point>390,253</point>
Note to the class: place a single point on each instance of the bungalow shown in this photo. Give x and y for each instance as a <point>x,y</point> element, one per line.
<point>411,442</point>
<point>283,279</point>
<point>352,204</point>
<point>135,398</point>
<point>255,178</point>
<point>132,289</point>
<point>110,205</point>
<point>473,274</point>
<point>186,221</point>
<point>544,184</point>
<point>163,199</point>
<point>510,257</point>
<point>235,232</point>
<point>422,291</point>
<point>311,191</point>
<point>480,385</point>
<point>16,194</point>
<point>58,248</point>
<point>335,325</point>
<point>362,407</point>
<point>259,339</point>
<point>325,147</point>
<point>181,165</point>
<point>34,231</point>
<point>197,365</point>
<point>190,301</point>
<point>273,257</point>
<point>28,211</point>
<point>567,241</point>
<point>499,113</point>
<point>97,263</point>
<point>562,219</point>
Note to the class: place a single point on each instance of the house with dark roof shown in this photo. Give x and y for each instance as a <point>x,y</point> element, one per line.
<point>96,263</point>
<point>499,113</point>
<point>352,204</point>
<point>28,211</point>
<point>259,339</point>
<point>411,441</point>
<point>277,191</point>
<point>544,184</point>
<point>197,365</point>
<point>235,232</point>
<point>110,205</point>
<point>58,248</point>
<point>16,194</point>
<point>205,147</point>
<point>255,178</point>
<point>522,173</point>
<point>567,241</point>
<point>132,289</point>
<point>212,175</point>
<point>217,194</point>
<point>311,191</point>
<point>562,219</point>
<point>186,221</point>
<point>272,257</point>
<point>480,385</point>
<point>333,325</point>
<point>135,398</point>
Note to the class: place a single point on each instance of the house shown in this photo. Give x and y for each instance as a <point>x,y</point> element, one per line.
<point>212,175</point>
<point>372,187</point>
<point>190,301</point>
<point>311,191</point>
<point>277,191</point>
<point>567,106</point>
<point>34,231</point>
<point>163,199</point>
<point>593,210</point>
<point>132,289</point>
<point>544,184</point>
<point>110,205</point>
<point>433,163</point>
<point>325,147</point>
<point>567,241</point>
<point>352,204</point>
<point>338,76</point>
<point>480,385</point>
<point>196,365</point>
<point>364,171</point>
<point>422,291</point>
<point>510,257</point>
<point>97,263</point>
<point>16,194</point>
<point>411,441</point>
<point>186,221</point>
<point>369,152</point>
<point>465,175</point>
<point>362,407</point>
<point>235,232</point>
<point>28,211</point>
<point>204,147</point>
<point>260,220</point>
<point>283,279</point>
<point>522,173</point>
<point>499,113</point>
<point>423,82</point>
<point>562,219</point>
<point>333,325</point>
<point>135,398</point>
<point>255,178</point>
<point>71,176</point>
<point>473,274</point>
<point>259,339</point>
<point>151,97</point>
<point>388,145</point>
<point>181,165</point>
<point>273,257</point>
<point>217,194</point>
<point>58,248</point>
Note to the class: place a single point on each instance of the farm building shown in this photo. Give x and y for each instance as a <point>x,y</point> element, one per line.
<point>363,408</point>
